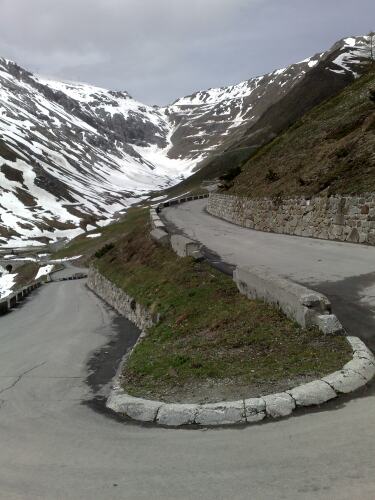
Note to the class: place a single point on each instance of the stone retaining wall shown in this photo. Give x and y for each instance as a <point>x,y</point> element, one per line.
<point>119,300</point>
<point>341,218</point>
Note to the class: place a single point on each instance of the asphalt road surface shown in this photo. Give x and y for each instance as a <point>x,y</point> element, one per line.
<point>345,272</point>
<point>57,353</point>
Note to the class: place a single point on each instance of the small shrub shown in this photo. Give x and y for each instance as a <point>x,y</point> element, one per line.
<point>104,250</point>
<point>272,176</point>
<point>231,174</point>
<point>342,152</point>
<point>277,199</point>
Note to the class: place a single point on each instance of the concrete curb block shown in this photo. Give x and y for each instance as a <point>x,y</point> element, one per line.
<point>143,410</point>
<point>224,413</point>
<point>156,222</point>
<point>313,393</point>
<point>176,415</point>
<point>160,236</point>
<point>181,245</point>
<point>184,247</point>
<point>279,405</point>
<point>305,306</point>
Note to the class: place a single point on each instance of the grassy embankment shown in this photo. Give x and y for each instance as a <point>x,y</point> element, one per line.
<point>25,274</point>
<point>329,150</point>
<point>211,342</point>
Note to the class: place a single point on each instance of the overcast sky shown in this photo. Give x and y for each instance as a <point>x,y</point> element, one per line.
<point>159,50</point>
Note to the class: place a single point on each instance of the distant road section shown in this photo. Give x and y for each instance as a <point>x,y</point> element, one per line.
<point>345,272</point>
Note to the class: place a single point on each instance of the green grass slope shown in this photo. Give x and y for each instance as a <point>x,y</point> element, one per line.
<point>331,149</point>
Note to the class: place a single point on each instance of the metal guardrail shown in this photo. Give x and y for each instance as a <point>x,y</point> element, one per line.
<point>184,199</point>
<point>12,300</point>
<point>76,276</point>
<point>156,222</point>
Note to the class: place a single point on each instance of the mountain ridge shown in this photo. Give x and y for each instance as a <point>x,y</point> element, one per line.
<point>73,155</point>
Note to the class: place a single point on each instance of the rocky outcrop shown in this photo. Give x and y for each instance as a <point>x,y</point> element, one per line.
<point>339,217</point>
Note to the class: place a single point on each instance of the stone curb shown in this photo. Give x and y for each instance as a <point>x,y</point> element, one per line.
<point>355,374</point>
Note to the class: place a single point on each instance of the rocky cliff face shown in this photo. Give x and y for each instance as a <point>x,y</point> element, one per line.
<point>73,155</point>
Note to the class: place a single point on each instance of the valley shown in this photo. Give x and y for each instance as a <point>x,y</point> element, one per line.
<point>73,156</point>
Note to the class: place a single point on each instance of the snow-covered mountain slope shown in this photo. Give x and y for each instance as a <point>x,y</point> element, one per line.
<point>207,119</point>
<point>69,154</point>
<point>72,155</point>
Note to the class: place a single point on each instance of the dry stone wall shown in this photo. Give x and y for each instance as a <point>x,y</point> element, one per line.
<point>341,218</point>
<point>119,300</point>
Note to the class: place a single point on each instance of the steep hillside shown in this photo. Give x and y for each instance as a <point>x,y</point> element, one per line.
<point>72,155</point>
<point>69,154</point>
<point>326,74</point>
<point>330,149</point>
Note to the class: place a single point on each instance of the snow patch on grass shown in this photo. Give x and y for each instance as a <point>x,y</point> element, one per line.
<point>7,281</point>
<point>43,271</point>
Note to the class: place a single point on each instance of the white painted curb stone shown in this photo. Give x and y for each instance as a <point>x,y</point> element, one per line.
<point>176,414</point>
<point>345,381</point>
<point>231,412</point>
<point>313,393</point>
<point>279,405</point>
<point>362,366</point>
<point>143,410</point>
<point>255,410</point>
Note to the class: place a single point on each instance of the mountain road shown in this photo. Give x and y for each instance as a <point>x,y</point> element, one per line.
<point>58,353</point>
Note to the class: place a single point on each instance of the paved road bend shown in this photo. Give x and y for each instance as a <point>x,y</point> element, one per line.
<point>345,272</point>
<point>55,445</point>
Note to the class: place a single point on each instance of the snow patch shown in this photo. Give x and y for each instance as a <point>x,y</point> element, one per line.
<point>43,271</point>
<point>7,281</point>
